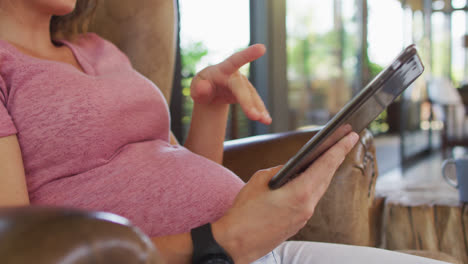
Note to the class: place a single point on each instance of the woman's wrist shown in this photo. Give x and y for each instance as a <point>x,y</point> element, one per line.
<point>227,238</point>
<point>214,115</point>
<point>236,242</point>
<point>207,131</point>
<point>211,109</point>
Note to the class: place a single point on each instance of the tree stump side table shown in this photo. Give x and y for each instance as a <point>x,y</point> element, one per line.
<point>427,216</point>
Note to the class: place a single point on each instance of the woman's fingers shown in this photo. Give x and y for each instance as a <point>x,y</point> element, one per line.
<point>265,116</point>
<point>248,99</point>
<point>318,176</point>
<point>242,93</point>
<point>333,157</point>
<point>223,83</point>
<point>239,59</point>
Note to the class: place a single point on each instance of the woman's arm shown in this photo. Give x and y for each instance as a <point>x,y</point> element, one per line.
<point>212,90</point>
<point>179,248</point>
<point>208,130</point>
<point>13,190</point>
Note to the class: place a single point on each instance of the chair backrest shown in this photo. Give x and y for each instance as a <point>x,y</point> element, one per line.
<point>146,31</point>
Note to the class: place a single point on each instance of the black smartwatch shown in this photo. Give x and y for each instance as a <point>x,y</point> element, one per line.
<point>205,248</point>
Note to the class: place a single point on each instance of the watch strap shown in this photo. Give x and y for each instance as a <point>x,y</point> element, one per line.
<point>205,247</point>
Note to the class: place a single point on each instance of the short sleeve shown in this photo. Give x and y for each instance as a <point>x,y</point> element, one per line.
<point>7,127</point>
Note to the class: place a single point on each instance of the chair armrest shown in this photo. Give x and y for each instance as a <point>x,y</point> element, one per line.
<point>345,214</point>
<point>44,235</point>
<point>247,155</point>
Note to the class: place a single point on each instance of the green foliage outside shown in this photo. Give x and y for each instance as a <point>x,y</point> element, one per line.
<point>312,54</point>
<point>191,55</point>
<point>319,63</point>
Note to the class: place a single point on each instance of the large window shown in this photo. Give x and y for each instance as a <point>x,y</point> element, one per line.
<point>322,48</point>
<point>332,48</point>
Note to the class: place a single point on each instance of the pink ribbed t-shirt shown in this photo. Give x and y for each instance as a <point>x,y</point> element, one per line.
<point>99,140</point>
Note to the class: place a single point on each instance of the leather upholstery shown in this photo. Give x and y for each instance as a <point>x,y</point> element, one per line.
<point>146,31</point>
<point>52,235</point>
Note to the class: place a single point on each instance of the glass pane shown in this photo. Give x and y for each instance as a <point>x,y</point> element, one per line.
<point>458,3</point>
<point>408,31</point>
<point>208,35</point>
<point>385,29</point>
<point>440,45</point>
<point>421,40</point>
<point>438,4</point>
<point>322,44</point>
<point>458,51</point>
<point>350,45</point>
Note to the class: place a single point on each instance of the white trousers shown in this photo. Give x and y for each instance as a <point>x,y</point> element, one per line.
<point>298,252</point>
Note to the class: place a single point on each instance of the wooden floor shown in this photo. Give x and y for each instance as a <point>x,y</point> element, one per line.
<point>426,171</point>
<point>426,174</point>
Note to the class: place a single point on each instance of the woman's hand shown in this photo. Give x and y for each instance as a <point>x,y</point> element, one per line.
<point>224,84</point>
<point>261,219</point>
<point>212,90</point>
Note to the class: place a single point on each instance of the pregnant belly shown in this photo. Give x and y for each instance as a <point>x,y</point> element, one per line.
<point>162,189</point>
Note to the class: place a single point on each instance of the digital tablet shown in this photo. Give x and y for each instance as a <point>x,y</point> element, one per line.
<point>357,114</point>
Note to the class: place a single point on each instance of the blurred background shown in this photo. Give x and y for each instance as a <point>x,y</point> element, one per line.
<point>321,53</point>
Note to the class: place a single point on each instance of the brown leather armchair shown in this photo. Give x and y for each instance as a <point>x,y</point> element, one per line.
<point>144,30</point>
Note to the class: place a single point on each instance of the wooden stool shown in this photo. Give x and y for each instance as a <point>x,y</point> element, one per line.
<point>426,216</point>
